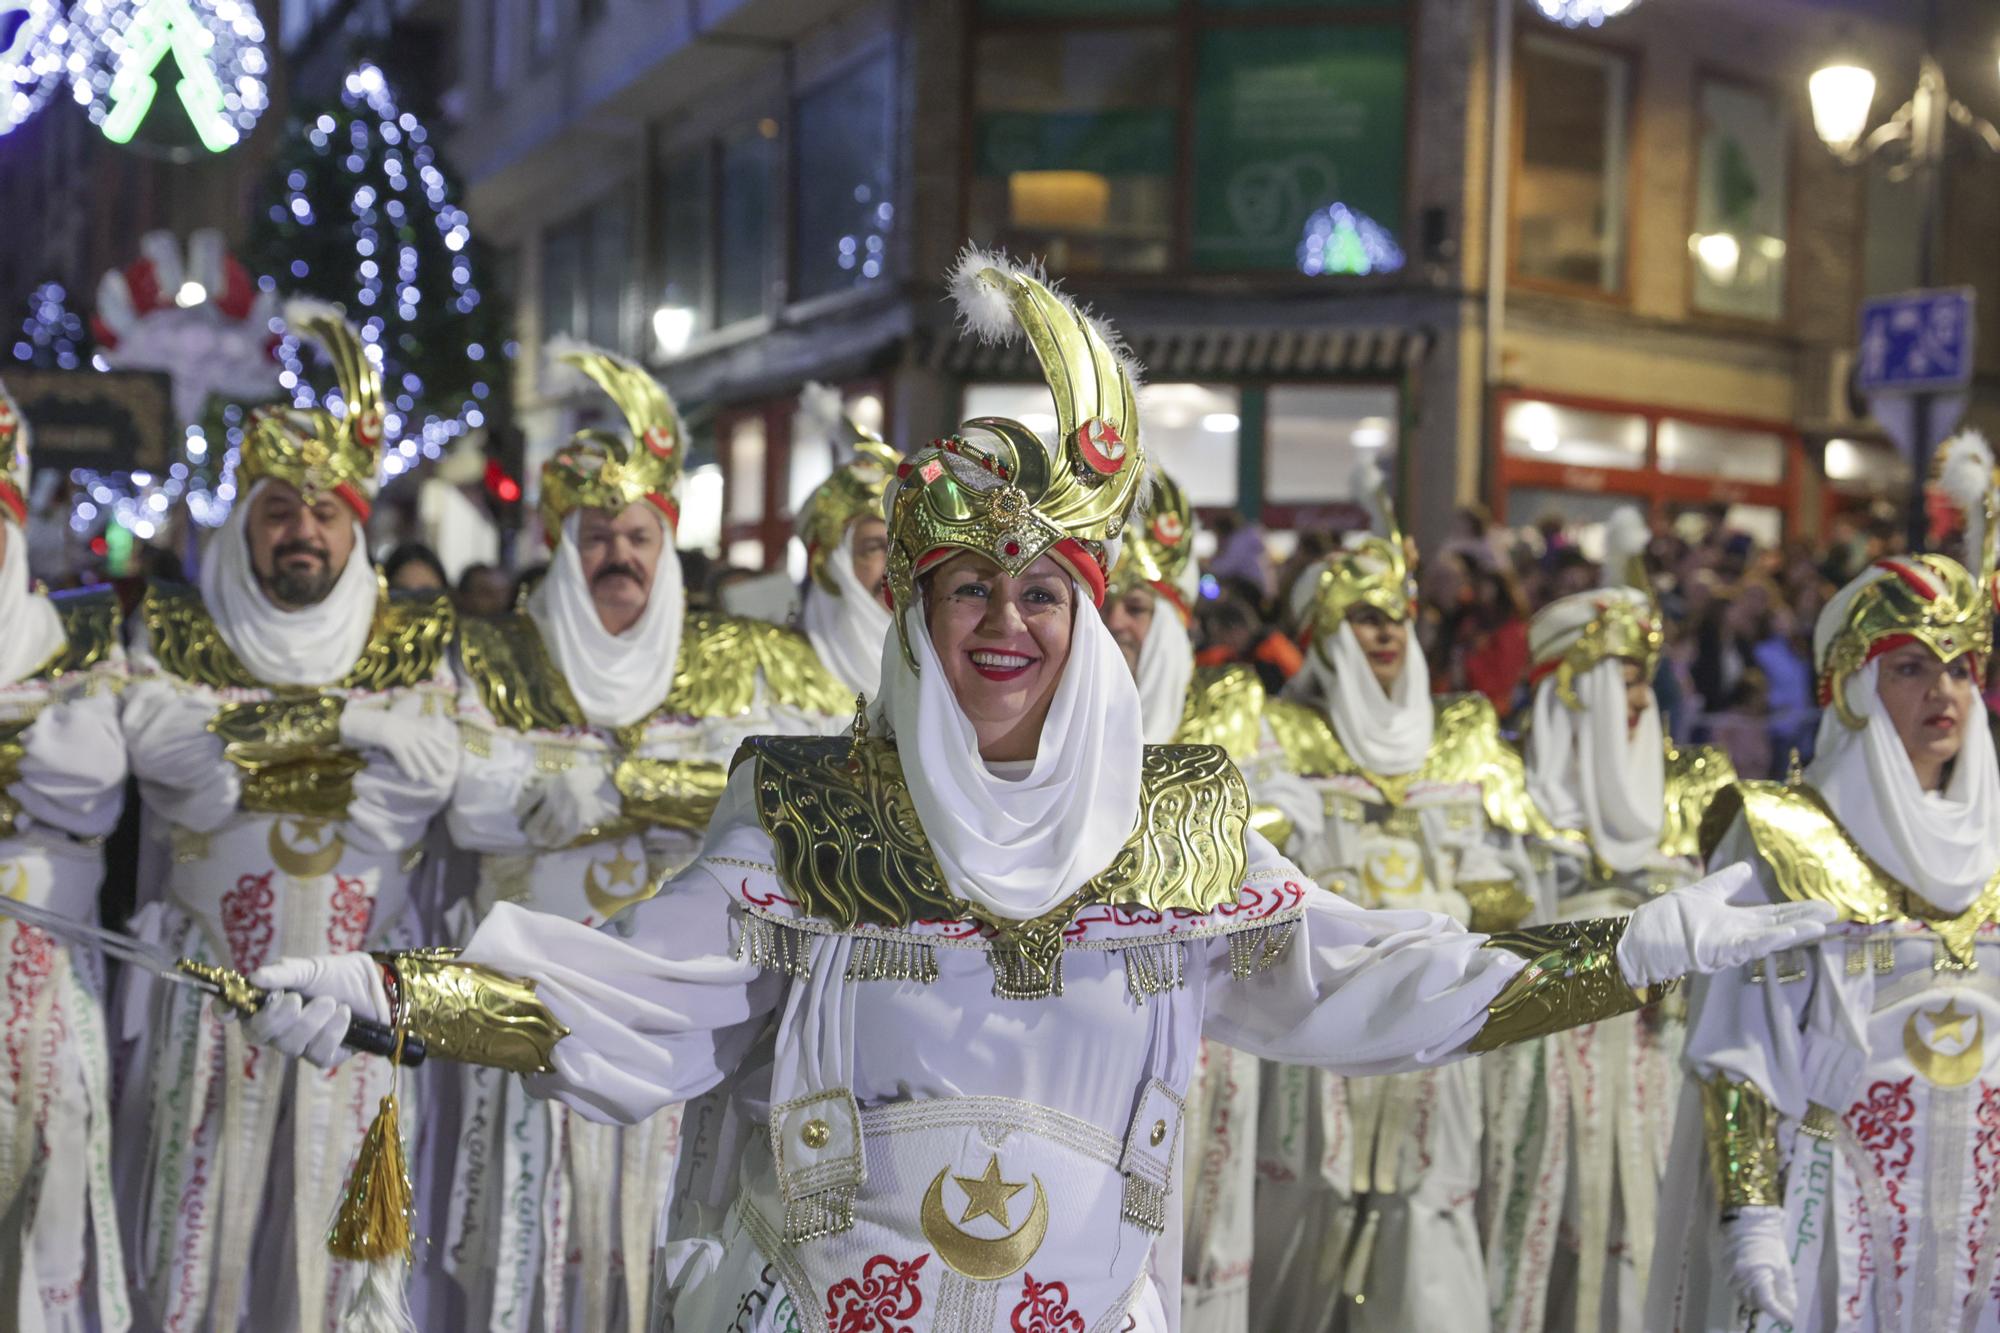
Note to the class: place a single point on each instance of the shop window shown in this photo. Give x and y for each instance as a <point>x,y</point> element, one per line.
<point>1868,468</point>
<point>1074,146</point>
<point>585,260</point>
<point>1716,451</point>
<point>1193,431</point>
<point>1298,154</point>
<point>685,205</point>
<point>1569,192</point>
<point>1580,513</point>
<point>842,204</point>
<point>1742,181</point>
<point>743,242</point>
<point>1316,437</point>
<point>1548,433</point>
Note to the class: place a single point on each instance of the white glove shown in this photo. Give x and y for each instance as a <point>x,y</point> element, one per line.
<point>311,1032</point>
<point>564,804</point>
<point>1697,929</point>
<point>353,980</point>
<point>1759,1269</point>
<point>427,753</point>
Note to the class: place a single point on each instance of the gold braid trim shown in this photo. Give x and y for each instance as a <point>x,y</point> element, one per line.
<point>466,1012</point>
<point>1742,1131</point>
<point>1572,978</point>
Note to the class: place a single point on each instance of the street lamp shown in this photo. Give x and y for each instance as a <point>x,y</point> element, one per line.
<point>1843,93</point>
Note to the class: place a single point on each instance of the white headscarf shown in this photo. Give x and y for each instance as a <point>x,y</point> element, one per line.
<point>1166,665</point>
<point>847,631</point>
<point>1018,845</point>
<point>1386,732</point>
<point>616,679</point>
<point>34,630</point>
<point>1946,844</point>
<point>1587,771</point>
<point>313,645</point>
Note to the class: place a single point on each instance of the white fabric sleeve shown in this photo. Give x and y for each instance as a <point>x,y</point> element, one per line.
<point>1358,991</point>
<point>656,1018</point>
<point>486,802</point>
<point>390,809</point>
<point>177,759</point>
<point>73,771</point>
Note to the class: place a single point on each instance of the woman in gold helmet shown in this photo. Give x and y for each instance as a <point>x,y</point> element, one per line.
<point>985,932</point>
<point>1845,1092</point>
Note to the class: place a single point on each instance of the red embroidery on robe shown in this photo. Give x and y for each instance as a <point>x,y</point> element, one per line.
<point>1044,1308</point>
<point>247,920</point>
<point>347,924</point>
<point>885,1292</point>
<point>1881,1122</point>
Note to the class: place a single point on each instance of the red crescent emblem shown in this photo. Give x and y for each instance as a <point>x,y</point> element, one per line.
<point>368,427</point>
<point>660,440</point>
<point>1168,529</point>
<point>1101,446</point>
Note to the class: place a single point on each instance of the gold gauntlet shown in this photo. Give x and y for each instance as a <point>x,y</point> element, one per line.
<point>289,752</point>
<point>463,1011</point>
<point>670,793</point>
<point>1572,978</point>
<point>1742,1131</point>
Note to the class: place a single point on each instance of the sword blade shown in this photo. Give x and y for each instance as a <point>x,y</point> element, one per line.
<point>126,948</point>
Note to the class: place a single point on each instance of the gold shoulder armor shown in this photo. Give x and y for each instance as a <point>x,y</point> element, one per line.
<point>1695,777</point>
<point>186,642</point>
<point>90,624</point>
<point>506,661</point>
<point>851,850</point>
<point>408,640</point>
<point>1813,858</point>
<point>1466,746</point>
<point>711,679</point>
<point>1225,706</point>
<point>1307,739</point>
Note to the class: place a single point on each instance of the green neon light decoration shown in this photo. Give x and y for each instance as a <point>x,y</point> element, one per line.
<point>164,28</point>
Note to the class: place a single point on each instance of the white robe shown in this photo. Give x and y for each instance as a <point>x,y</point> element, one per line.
<point>670,1010</point>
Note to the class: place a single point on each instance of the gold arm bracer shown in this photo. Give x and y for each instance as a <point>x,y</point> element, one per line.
<point>1572,978</point>
<point>463,1011</point>
<point>671,793</point>
<point>1497,904</point>
<point>1741,1127</point>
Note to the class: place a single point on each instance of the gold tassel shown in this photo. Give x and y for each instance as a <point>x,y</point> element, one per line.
<point>374,1224</point>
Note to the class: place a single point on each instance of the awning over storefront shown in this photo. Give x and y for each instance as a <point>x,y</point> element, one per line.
<point>1207,353</point>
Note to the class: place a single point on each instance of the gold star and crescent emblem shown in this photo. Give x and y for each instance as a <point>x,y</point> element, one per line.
<point>1949,1056</point>
<point>603,878</point>
<point>986,1195</point>
<point>1391,871</point>
<point>304,848</point>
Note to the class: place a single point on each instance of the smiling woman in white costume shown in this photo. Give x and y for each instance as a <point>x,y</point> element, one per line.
<point>989,930</point>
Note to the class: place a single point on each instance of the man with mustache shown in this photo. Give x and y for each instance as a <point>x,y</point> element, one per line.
<point>597,719</point>
<point>291,727</point>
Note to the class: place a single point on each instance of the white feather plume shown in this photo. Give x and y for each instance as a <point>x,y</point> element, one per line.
<point>1965,476</point>
<point>1626,537</point>
<point>983,308</point>
<point>820,411</point>
<point>559,378</point>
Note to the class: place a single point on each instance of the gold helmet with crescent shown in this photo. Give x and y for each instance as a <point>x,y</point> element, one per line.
<point>1158,546</point>
<point>312,449</point>
<point>994,487</point>
<point>1929,599</point>
<point>601,469</point>
<point>853,491</point>
<point>1572,634</point>
<point>1368,570</point>
<point>16,441</point>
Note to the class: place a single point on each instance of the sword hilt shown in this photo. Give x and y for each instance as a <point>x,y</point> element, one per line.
<point>363,1034</point>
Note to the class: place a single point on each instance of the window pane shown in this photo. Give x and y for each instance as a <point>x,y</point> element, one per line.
<point>1712,451</point>
<point>1316,435</point>
<point>564,251</point>
<point>1581,513</point>
<point>682,309</point>
<point>744,249</point>
<point>1190,430</point>
<point>1074,148</point>
<point>1865,467</point>
<point>1552,434</point>
<point>845,153</point>
<point>610,260</point>
<point>1738,245</point>
<point>745,443</point>
<point>1569,207</point>
<point>1295,127</point>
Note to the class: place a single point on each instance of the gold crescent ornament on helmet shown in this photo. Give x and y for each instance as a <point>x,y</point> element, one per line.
<point>311,449</point>
<point>994,488</point>
<point>1158,546</point>
<point>1929,599</point>
<point>1623,623</point>
<point>599,469</point>
<point>853,491</point>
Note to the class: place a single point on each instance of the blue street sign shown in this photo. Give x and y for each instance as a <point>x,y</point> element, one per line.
<point>1916,342</point>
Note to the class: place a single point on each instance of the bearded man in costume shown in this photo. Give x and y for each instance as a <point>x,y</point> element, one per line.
<point>1365,1210</point>
<point>1844,1096</point>
<point>596,722</point>
<point>846,609</point>
<point>62,783</point>
<point>1580,1124</point>
<point>980,939</point>
<point>291,728</point>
